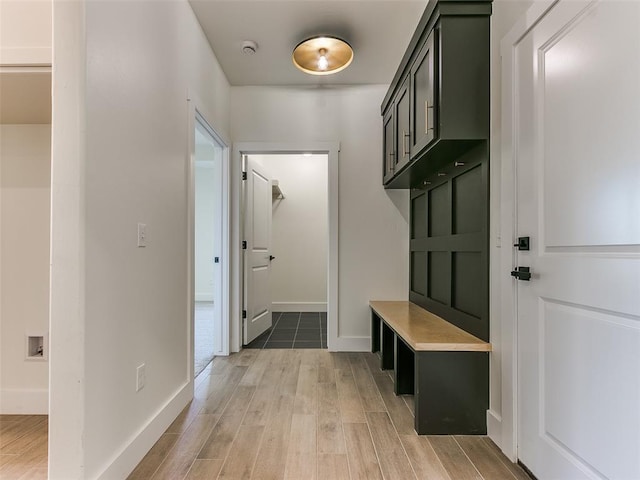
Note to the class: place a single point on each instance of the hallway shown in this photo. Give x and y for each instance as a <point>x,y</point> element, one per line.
<point>307,414</point>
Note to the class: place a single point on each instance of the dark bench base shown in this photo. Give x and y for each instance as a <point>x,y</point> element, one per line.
<point>450,388</point>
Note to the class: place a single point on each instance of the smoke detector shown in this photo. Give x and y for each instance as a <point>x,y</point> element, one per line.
<point>249,47</point>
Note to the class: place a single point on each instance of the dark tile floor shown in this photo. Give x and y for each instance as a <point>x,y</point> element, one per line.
<point>294,330</point>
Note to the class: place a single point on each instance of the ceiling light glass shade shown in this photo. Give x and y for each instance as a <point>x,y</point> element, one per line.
<point>322,55</point>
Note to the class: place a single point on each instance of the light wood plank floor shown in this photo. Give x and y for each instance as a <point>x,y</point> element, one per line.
<point>310,414</point>
<point>23,447</point>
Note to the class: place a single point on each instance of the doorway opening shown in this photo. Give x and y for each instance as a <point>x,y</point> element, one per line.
<point>246,256</point>
<point>25,259</point>
<point>287,232</point>
<point>208,166</point>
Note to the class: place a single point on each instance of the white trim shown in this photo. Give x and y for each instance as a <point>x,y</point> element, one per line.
<point>332,149</point>
<point>133,450</point>
<point>351,344</point>
<point>68,349</point>
<point>197,115</point>
<point>299,306</point>
<point>203,297</point>
<point>24,401</point>
<point>507,439</point>
<point>36,69</point>
<point>26,56</point>
<point>494,427</point>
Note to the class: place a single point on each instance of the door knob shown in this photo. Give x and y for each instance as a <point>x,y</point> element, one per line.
<point>522,273</point>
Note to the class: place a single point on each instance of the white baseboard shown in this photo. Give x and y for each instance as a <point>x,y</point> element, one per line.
<point>494,427</point>
<point>24,402</point>
<point>26,56</point>
<point>349,344</point>
<point>298,307</point>
<point>137,447</point>
<point>203,297</point>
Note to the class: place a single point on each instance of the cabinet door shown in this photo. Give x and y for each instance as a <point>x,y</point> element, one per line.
<point>424,110</point>
<point>388,147</point>
<point>403,125</point>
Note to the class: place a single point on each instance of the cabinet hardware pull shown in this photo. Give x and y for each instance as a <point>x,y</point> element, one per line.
<point>405,150</point>
<point>426,116</point>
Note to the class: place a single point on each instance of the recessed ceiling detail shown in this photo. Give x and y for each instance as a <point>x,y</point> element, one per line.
<point>322,55</point>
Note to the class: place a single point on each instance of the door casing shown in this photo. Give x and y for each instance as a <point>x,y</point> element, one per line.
<point>331,149</point>
<point>502,426</point>
<point>196,115</point>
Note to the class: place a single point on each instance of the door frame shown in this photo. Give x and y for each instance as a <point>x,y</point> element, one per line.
<point>331,149</point>
<point>197,115</point>
<point>503,426</point>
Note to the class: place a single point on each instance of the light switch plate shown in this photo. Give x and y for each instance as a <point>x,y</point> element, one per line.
<point>142,234</point>
<point>141,377</point>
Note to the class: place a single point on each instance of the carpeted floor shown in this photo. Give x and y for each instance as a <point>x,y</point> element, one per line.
<point>203,348</point>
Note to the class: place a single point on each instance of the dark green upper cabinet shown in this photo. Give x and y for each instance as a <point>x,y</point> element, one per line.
<point>439,96</point>
<point>403,126</point>
<point>423,108</point>
<point>388,146</point>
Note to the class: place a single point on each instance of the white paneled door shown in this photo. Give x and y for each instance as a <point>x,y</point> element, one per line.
<point>577,149</point>
<point>257,234</point>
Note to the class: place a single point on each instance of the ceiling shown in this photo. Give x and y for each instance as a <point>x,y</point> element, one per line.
<point>25,96</point>
<point>378,30</point>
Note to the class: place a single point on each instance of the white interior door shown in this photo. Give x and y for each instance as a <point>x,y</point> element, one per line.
<point>577,110</point>
<point>257,232</point>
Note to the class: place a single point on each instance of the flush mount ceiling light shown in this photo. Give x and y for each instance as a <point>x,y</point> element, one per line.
<point>322,55</point>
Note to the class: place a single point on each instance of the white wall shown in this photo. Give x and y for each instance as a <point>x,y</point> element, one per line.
<point>25,191</point>
<point>300,232</point>
<point>505,14</point>
<point>122,74</point>
<point>373,222</point>
<point>25,32</point>
<point>204,234</point>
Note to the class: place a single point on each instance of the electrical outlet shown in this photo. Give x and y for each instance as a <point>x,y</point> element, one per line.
<point>142,235</point>
<point>141,377</point>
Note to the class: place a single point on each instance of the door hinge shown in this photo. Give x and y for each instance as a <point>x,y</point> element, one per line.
<point>244,244</point>
<point>244,175</point>
<point>244,314</point>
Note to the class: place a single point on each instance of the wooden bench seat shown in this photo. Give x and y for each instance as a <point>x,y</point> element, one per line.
<point>424,331</point>
<point>444,367</point>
